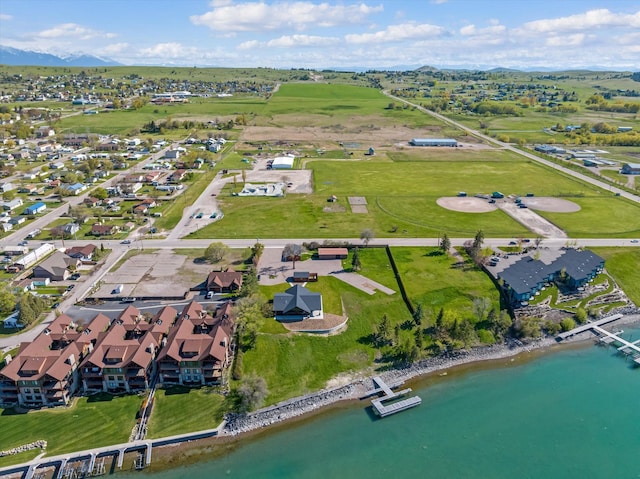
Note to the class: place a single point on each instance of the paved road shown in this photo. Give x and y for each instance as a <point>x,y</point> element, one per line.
<point>531,156</point>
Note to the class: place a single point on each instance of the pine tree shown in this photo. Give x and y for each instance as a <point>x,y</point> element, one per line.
<point>356,265</point>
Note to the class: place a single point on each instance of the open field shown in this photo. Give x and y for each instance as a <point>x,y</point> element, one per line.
<point>92,422</point>
<point>404,194</point>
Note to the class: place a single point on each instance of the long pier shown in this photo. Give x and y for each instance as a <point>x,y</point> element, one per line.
<point>628,348</point>
<point>384,410</point>
<point>92,461</point>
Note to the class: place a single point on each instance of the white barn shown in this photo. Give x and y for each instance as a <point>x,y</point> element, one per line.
<point>283,163</point>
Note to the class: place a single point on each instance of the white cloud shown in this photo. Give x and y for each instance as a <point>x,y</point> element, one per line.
<point>302,41</point>
<point>573,40</point>
<point>168,50</point>
<point>5,17</point>
<point>439,2</point>
<point>395,33</point>
<point>260,16</point>
<point>583,21</point>
<point>115,48</point>
<point>73,30</point>
<point>471,30</point>
<point>248,45</point>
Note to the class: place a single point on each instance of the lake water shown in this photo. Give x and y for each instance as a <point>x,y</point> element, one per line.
<point>574,413</point>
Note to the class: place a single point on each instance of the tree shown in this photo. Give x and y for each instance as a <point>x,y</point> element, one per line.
<point>251,393</point>
<point>356,265</point>
<point>445,244</point>
<point>382,335</point>
<point>256,251</point>
<point>418,315</point>
<point>215,252</point>
<point>8,300</point>
<point>249,284</point>
<point>478,240</point>
<point>244,176</point>
<point>100,194</point>
<point>480,307</point>
<point>580,316</point>
<point>366,236</point>
<point>9,195</point>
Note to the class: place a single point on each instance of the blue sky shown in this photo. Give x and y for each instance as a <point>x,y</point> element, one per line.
<point>321,34</point>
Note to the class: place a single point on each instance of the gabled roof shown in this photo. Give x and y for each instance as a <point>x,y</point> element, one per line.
<point>224,279</point>
<point>81,251</point>
<point>198,336</point>
<point>297,298</point>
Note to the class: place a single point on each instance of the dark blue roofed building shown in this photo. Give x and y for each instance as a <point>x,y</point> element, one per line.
<point>527,276</point>
<point>296,304</point>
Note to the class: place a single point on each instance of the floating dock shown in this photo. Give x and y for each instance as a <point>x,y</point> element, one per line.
<point>628,348</point>
<point>391,402</point>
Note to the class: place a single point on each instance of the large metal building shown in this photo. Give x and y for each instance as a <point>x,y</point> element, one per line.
<point>433,142</point>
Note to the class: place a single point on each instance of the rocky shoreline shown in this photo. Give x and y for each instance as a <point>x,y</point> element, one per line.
<point>238,423</point>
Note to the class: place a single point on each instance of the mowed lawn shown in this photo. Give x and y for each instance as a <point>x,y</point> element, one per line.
<point>180,410</point>
<point>599,217</point>
<point>434,281</point>
<point>624,265</point>
<point>297,364</point>
<point>92,422</point>
<point>401,196</point>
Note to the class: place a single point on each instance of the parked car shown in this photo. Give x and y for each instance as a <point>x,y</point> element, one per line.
<point>209,295</point>
<point>55,305</point>
<point>74,276</point>
<point>70,287</point>
<point>199,215</point>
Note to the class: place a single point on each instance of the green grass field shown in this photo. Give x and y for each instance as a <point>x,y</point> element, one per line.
<point>92,422</point>
<point>622,264</point>
<point>403,194</point>
<point>179,410</point>
<point>296,364</point>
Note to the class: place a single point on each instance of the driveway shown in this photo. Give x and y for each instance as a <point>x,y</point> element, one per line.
<point>273,270</point>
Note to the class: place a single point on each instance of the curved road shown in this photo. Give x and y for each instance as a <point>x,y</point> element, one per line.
<point>531,156</point>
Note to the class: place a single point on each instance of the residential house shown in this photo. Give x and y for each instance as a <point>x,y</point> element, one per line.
<point>55,267</point>
<point>296,304</point>
<point>227,281</point>
<point>44,372</point>
<point>12,205</point>
<point>6,186</point>
<point>198,347</point>
<point>44,132</point>
<point>34,209</point>
<point>76,188</point>
<point>91,202</point>
<point>177,176</point>
<point>71,229</point>
<point>83,253</point>
<point>104,230</point>
<point>123,357</point>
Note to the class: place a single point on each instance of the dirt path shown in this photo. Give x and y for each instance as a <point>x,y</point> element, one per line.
<point>532,220</point>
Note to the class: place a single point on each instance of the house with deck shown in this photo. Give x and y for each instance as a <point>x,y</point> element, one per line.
<point>198,347</point>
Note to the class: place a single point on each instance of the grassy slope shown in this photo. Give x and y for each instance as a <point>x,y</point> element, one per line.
<point>624,265</point>
<point>87,424</point>
<point>179,410</point>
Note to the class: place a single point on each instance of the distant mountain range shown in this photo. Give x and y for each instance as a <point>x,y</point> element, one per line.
<point>14,56</point>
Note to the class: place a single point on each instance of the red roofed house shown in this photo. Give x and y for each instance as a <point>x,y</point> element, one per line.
<point>83,253</point>
<point>104,230</point>
<point>123,357</point>
<point>198,347</point>
<point>227,281</point>
<point>45,371</point>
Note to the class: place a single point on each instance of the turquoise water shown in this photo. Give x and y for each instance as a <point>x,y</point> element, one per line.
<point>570,414</point>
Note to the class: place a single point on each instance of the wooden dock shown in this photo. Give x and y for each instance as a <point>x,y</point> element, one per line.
<point>628,348</point>
<point>397,404</point>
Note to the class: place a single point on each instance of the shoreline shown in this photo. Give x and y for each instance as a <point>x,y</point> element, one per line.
<point>240,428</point>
